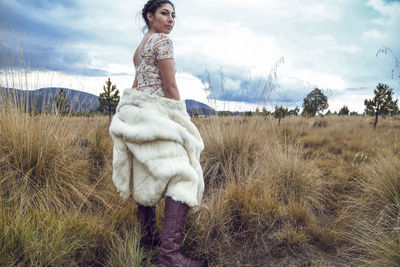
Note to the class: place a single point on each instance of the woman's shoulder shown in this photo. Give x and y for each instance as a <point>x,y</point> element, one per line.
<point>161,46</point>
<point>160,37</point>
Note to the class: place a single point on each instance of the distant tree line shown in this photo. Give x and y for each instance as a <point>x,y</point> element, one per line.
<point>315,102</point>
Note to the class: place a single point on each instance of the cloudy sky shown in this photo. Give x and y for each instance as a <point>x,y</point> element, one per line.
<point>233,48</point>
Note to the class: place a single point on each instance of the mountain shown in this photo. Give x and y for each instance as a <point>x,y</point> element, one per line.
<point>197,108</point>
<point>42,99</point>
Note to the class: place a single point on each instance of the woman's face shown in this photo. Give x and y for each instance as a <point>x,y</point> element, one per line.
<point>163,20</point>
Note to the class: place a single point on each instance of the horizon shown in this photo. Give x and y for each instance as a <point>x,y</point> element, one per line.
<point>196,101</point>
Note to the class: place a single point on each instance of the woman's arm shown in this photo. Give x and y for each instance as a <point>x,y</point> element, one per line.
<point>167,70</point>
<point>134,82</point>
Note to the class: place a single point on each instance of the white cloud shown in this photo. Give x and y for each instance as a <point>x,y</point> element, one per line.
<point>191,87</point>
<point>354,100</point>
<point>374,34</point>
<point>350,49</point>
<point>322,9</point>
<point>232,45</point>
<point>313,78</point>
<point>22,79</point>
<point>325,43</point>
<point>387,9</point>
<point>324,37</point>
<point>232,106</point>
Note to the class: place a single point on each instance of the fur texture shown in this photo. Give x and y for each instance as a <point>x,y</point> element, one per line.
<point>157,147</point>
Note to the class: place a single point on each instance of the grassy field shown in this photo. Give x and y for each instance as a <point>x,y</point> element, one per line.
<point>310,192</point>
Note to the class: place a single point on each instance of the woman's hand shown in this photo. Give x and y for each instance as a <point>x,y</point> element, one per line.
<point>167,70</point>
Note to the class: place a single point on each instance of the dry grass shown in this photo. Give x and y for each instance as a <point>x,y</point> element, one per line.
<point>42,165</point>
<point>375,231</point>
<point>310,192</point>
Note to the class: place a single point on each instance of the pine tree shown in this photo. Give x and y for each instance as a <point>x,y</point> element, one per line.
<point>344,111</point>
<point>265,111</point>
<point>109,99</point>
<point>280,112</point>
<point>382,103</point>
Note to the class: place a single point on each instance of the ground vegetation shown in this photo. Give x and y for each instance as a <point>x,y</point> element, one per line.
<point>311,192</point>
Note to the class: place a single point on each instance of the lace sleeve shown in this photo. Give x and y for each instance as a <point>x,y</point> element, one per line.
<point>163,47</point>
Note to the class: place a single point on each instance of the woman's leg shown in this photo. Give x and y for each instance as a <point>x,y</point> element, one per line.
<point>148,222</point>
<point>174,221</point>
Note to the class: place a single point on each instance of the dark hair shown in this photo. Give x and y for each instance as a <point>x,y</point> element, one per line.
<point>151,6</point>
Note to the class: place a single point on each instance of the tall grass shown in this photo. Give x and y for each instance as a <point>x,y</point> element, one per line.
<point>265,197</point>
<point>41,166</point>
<point>232,147</point>
<point>311,192</point>
<point>376,230</point>
<point>58,206</point>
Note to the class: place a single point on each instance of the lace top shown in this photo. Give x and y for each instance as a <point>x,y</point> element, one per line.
<point>158,46</point>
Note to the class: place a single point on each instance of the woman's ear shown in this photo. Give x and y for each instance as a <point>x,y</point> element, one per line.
<point>149,17</point>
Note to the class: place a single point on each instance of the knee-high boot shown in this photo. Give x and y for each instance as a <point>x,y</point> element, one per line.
<point>148,222</point>
<point>174,221</point>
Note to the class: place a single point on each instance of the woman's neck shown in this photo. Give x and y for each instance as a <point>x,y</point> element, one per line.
<point>150,32</point>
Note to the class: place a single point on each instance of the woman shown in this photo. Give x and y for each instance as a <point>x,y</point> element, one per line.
<point>156,146</point>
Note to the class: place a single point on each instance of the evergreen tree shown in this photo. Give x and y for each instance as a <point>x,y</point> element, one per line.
<point>344,111</point>
<point>382,103</point>
<point>265,111</point>
<point>279,113</point>
<point>109,99</point>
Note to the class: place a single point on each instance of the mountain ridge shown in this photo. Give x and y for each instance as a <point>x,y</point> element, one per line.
<point>79,101</point>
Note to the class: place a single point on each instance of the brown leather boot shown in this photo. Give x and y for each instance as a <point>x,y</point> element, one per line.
<point>148,223</point>
<point>174,221</point>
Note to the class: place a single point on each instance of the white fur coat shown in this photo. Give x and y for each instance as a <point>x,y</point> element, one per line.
<point>157,148</point>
